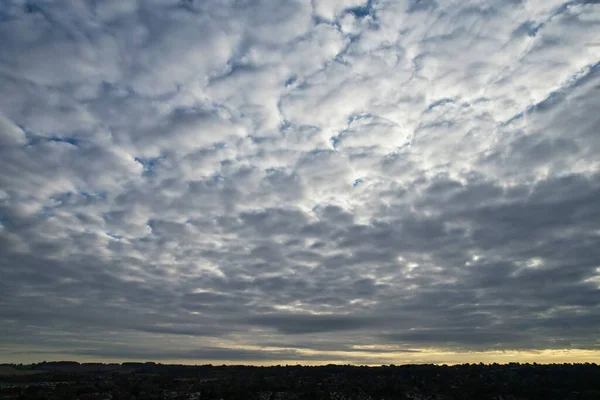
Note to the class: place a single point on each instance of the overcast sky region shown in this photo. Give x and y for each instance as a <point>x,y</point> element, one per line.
<point>282,181</point>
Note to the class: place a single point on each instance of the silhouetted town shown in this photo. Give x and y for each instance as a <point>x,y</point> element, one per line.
<point>150,381</point>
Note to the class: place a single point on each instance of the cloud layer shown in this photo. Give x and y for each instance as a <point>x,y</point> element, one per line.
<point>291,180</point>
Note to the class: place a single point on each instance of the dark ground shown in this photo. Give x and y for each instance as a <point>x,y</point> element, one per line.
<point>70,380</point>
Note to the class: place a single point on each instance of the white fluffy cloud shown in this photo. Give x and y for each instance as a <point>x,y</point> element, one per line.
<point>258,174</point>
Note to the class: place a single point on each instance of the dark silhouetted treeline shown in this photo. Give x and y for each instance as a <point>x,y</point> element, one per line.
<point>133,381</point>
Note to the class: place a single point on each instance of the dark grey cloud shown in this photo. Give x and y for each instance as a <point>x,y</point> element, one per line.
<point>260,181</point>
<point>291,323</point>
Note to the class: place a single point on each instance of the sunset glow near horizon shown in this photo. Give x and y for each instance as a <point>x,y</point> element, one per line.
<point>300,182</point>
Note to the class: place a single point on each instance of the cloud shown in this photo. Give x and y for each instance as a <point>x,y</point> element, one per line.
<point>310,323</point>
<point>319,176</point>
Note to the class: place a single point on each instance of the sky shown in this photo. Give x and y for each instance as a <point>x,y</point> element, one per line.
<point>294,181</point>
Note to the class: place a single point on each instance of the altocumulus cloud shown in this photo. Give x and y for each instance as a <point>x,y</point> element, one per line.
<point>295,180</point>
